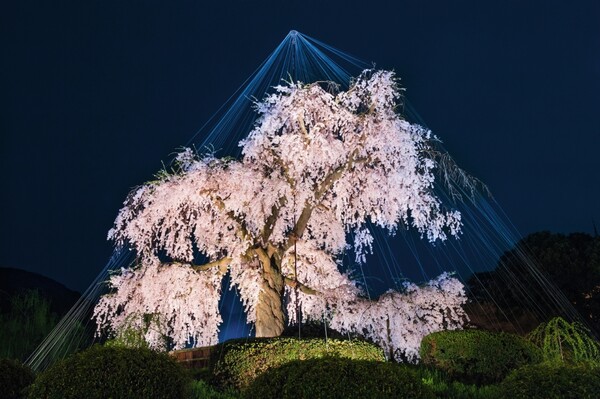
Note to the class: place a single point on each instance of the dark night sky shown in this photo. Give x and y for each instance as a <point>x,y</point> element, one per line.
<point>94,94</point>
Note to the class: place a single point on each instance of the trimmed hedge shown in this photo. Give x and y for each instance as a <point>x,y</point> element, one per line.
<point>552,381</point>
<point>476,356</point>
<point>237,363</point>
<point>14,378</point>
<point>112,372</point>
<point>334,377</point>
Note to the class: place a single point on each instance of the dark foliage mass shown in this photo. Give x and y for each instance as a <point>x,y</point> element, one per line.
<point>238,362</point>
<point>30,307</point>
<point>28,320</point>
<point>553,381</point>
<point>112,372</point>
<point>14,378</point>
<point>333,378</point>
<point>16,281</point>
<point>571,262</point>
<point>24,324</point>
<point>475,356</point>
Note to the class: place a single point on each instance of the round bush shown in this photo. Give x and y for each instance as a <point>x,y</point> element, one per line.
<point>238,362</point>
<point>552,381</point>
<point>332,378</point>
<point>476,356</point>
<point>112,372</point>
<point>14,378</point>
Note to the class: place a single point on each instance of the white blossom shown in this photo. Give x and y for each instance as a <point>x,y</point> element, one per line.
<point>183,304</point>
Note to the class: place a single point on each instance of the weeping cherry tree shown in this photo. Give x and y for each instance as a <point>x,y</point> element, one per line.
<point>319,166</point>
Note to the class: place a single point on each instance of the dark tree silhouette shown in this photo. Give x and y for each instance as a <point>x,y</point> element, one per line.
<point>571,262</point>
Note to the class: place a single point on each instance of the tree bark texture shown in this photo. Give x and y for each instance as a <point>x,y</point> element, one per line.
<point>270,316</point>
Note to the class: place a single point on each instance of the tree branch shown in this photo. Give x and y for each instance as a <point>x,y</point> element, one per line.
<point>264,259</point>
<point>272,219</point>
<point>304,130</point>
<point>221,264</point>
<point>242,225</point>
<point>300,226</point>
<point>284,169</point>
<point>327,183</point>
<point>293,283</point>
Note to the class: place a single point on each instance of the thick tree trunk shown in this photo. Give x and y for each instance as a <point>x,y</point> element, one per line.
<point>270,317</point>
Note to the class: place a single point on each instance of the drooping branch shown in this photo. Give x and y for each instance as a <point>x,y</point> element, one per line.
<point>221,264</point>
<point>296,284</point>
<point>454,178</point>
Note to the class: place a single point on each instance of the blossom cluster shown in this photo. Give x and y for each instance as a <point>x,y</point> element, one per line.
<point>397,321</point>
<point>163,301</point>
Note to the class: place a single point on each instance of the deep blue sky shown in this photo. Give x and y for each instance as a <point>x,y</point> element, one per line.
<point>94,94</point>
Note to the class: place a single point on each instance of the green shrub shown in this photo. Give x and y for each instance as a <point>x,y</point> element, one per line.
<point>444,388</point>
<point>552,381</point>
<point>476,356</point>
<point>334,377</point>
<point>458,390</point>
<point>200,389</point>
<point>14,378</point>
<point>237,363</point>
<point>112,372</point>
<point>566,342</point>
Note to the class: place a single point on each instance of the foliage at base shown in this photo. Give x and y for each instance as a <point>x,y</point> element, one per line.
<point>14,378</point>
<point>476,356</point>
<point>334,377</point>
<point>112,372</point>
<point>444,388</point>
<point>200,389</point>
<point>565,342</point>
<point>238,362</point>
<point>553,381</point>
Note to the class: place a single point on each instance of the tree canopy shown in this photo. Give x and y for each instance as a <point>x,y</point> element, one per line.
<point>316,169</point>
